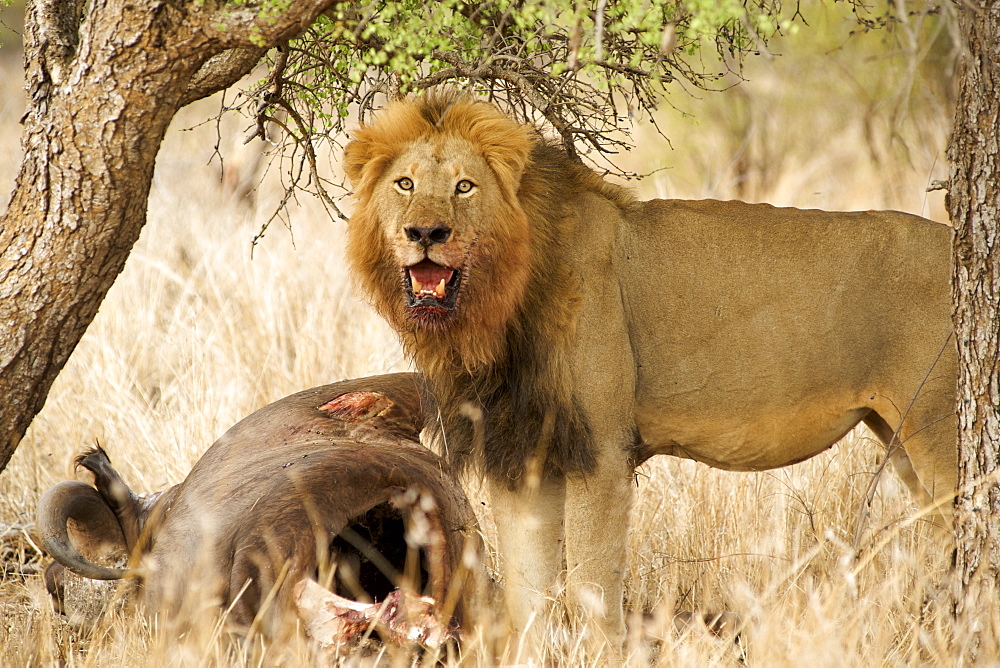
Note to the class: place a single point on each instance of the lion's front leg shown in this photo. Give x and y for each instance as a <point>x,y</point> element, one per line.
<point>598,507</point>
<point>529,523</point>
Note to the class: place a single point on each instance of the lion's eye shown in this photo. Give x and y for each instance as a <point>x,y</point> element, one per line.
<point>464,186</point>
<point>405,184</point>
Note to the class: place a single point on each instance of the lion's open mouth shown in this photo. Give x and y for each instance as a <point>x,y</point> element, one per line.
<point>431,286</point>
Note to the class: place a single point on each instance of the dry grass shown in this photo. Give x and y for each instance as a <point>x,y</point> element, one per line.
<point>196,334</point>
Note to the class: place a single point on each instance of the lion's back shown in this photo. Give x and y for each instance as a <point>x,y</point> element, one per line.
<point>730,251</point>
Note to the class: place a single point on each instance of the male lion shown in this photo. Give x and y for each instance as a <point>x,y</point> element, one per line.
<point>568,332</point>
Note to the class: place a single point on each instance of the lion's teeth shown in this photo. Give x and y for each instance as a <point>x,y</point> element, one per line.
<point>428,289</point>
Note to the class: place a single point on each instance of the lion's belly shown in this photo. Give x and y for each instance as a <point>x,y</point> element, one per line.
<point>745,442</point>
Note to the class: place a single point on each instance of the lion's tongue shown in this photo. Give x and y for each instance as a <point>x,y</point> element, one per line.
<point>430,279</point>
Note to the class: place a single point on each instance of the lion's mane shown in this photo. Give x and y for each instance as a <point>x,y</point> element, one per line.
<point>500,373</point>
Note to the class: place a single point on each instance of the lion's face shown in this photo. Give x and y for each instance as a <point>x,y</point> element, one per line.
<point>439,239</point>
<point>435,207</point>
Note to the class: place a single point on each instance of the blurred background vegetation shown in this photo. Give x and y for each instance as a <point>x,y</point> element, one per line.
<point>834,116</point>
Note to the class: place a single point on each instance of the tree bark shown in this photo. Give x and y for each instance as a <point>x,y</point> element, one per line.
<point>102,93</point>
<point>974,203</point>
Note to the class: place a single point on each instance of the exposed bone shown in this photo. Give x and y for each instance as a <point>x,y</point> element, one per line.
<point>402,617</point>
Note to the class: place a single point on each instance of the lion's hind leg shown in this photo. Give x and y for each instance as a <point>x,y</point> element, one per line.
<point>919,453</point>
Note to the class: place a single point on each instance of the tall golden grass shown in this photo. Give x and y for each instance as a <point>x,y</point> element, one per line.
<point>198,332</point>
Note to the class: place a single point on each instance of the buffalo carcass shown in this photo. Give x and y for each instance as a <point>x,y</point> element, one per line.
<point>332,476</point>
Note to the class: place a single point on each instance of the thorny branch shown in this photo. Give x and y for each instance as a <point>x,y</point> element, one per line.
<point>271,101</point>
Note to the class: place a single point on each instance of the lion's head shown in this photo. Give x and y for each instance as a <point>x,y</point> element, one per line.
<point>439,241</point>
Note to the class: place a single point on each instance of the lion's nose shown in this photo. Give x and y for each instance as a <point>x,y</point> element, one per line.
<point>428,236</point>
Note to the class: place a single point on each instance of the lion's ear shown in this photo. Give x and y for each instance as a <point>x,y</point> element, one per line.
<point>356,156</point>
<point>507,148</point>
<point>365,158</point>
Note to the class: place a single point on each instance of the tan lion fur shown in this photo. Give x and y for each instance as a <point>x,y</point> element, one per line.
<point>590,331</point>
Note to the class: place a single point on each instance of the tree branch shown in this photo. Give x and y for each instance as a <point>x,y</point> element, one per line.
<point>242,26</point>
<point>221,71</point>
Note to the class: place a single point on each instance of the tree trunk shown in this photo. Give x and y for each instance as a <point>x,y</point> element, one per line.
<point>974,203</point>
<point>102,93</point>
